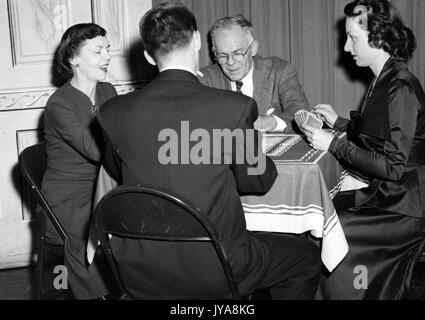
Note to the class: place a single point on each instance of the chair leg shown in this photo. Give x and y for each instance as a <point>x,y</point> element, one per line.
<point>39,276</point>
<point>40,260</point>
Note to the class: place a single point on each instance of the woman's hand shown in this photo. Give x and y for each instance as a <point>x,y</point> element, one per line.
<point>318,138</point>
<point>327,113</point>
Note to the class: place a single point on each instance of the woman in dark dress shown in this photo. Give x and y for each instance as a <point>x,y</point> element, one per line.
<point>385,222</point>
<point>73,147</point>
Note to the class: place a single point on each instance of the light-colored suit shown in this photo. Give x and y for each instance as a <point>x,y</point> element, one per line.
<point>276,85</point>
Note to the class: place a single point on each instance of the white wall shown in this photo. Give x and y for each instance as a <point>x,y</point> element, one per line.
<point>30,32</point>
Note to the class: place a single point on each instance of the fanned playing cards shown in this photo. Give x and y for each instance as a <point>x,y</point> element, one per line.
<point>303,117</point>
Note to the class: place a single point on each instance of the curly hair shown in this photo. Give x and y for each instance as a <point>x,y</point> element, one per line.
<point>386,28</point>
<point>71,43</point>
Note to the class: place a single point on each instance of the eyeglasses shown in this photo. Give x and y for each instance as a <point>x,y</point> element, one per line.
<point>223,58</point>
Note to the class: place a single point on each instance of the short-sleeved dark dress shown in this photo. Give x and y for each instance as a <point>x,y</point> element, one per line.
<point>73,146</point>
<point>386,221</point>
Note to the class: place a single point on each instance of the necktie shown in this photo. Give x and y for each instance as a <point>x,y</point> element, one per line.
<point>239,85</point>
<point>93,110</point>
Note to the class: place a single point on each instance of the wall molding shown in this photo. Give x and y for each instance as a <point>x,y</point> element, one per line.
<point>36,98</point>
<point>25,99</point>
<point>18,261</point>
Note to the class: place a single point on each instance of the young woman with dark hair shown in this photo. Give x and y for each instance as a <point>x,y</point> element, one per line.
<point>385,222</point>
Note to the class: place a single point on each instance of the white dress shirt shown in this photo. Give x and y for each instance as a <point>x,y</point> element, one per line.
<point>178,67</point>
<point>248,90</point>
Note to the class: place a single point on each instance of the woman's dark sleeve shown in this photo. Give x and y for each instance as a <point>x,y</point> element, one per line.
<point>68,126</point>
<point>111,161</point>
<point>389,164</point>
<point>341,124</point>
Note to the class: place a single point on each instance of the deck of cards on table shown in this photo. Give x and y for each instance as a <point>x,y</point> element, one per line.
<point>303,117</point>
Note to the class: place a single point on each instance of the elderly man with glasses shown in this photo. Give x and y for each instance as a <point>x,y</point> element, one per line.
<point>272,82</point>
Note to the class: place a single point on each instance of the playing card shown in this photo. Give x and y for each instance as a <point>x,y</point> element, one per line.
<point>299,117</point>
<point>312,121</point>
<point>304,114</point>
<point>305,117</point>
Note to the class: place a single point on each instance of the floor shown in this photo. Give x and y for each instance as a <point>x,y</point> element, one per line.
<point>17,284</point>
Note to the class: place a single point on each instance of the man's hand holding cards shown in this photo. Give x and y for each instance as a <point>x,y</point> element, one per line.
<point>303,117</point>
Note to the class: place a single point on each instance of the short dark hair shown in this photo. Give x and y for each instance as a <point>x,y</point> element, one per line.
<point>166,27</point>
<point>386,28</point>
<point>228,22</point>
<point>71,43</point>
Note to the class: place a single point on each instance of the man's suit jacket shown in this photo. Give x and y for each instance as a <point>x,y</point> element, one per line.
<point>276,85</point>
<point>133,124</point>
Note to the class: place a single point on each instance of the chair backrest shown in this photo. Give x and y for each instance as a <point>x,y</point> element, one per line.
<point>163,228</point>
<point>32,163</point>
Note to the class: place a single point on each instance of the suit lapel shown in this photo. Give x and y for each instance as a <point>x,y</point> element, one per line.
<point>222,82</point>
<point>262,86</point>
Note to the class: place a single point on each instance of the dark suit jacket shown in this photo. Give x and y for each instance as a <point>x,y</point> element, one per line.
<point>387,143</point>
<point>276,85</point>
<point>135,121</point>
